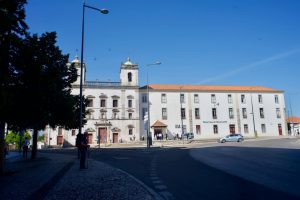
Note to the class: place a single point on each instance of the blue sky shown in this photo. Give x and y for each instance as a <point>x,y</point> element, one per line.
<point>212,42</point>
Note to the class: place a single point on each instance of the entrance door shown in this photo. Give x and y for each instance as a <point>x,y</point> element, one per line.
<point>115,137</point>
<point>102,133</point>
<point>232,128</point>
<point>279,129</point>
<point>157,133</point>
<point>59,140</point>
<point>90,138</point>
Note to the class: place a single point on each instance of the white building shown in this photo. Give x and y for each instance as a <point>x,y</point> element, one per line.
<point>213,111</point>
<point>118,110</point>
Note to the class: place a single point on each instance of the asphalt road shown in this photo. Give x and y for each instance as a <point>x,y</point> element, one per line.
<point>249,170</point>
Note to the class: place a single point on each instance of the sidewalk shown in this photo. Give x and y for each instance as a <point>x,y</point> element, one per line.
<point>57,176</point>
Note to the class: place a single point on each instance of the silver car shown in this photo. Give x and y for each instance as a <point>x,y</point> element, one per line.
<point>232,138</point>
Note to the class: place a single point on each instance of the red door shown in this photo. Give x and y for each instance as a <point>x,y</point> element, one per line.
<point>102,133</point>
<point>279,129</point>
<point>59,140</point>
<point>90,138</point>
<point>115,137</point>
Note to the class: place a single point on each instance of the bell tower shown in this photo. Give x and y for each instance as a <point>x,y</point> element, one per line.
<point>129,74</point>
<point>76,62</point>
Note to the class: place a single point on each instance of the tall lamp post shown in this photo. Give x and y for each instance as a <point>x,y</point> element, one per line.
<point>181,98</point>
<point>148,104</point>
<point>253,119</point>
<point>103,11</point>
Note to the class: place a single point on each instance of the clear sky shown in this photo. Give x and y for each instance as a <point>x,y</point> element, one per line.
<point>212,42</point>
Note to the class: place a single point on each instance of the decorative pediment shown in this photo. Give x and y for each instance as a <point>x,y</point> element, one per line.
<point>90,130</point>
<point>130,97</point>
<point>115,110</point>
<point>103,96</point>
<point>90,110</point>
<point>130,126</point>
<point>90,96</point>
<point>130,110</point>
<point>115,97</point>
<point>103,110</point>
<point>115,129</point>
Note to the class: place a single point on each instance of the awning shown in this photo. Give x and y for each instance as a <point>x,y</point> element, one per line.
<point>158,124</point>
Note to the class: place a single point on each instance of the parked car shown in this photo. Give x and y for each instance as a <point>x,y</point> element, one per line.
<point>187,136</point>
<point>232,138</point>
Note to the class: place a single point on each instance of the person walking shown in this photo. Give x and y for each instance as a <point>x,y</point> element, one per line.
<point>25,147</point>
<point>83,150</point>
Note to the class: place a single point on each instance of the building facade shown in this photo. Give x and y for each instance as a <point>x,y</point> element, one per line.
<point>118,111</point>
<point>213,111</point>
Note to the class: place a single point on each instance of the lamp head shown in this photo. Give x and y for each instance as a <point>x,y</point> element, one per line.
<point>104,11</point>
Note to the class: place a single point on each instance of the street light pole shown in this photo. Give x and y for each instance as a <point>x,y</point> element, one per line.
<point>255,133</point>
<point>148,104</point>
<point>181,117</point>
<point>103,11</point>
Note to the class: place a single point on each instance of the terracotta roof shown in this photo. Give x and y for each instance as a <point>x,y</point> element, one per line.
<point>293,119</point>
<point>158,124</point>
<point>210,88</point>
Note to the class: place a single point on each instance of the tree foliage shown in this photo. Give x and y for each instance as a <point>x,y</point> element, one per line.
<point>12,29</point>
<point>15,138</point>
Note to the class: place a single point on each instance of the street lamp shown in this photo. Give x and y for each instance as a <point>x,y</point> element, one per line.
<point>148,104</point>
<point>103,11</point>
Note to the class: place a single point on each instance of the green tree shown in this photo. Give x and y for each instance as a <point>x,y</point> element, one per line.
<point>45,87</point>
<point>15,138</point>
<point>12,29</point>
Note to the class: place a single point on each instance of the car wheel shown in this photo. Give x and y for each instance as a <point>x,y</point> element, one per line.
<point>239,140</point>
<point>223,141</point>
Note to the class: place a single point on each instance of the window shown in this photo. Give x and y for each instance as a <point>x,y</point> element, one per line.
<point>90,103</point>
<point>231,115</point>
<point>278,113</point>
<point>214,113</point>
<point>215,129</point>
<point>73,132</point>
<point>196,98</point>
<point>198,129</point>
<point>229,98</point>
<point>130,131</point>
<point>197,113</point>
<point>260,100</point>
<point>213,98</point>
<point>183,113</point>
<point>164,113</point>
<point>243,99</point>
<point>59,131</point>
<point>129,103</point>
<point>144,112</point>
<point>246,130</point>
<point>181,98</point>
<point>129,77</point>
<point>163,98</point>
<point>276,99</point>
<point>130,115</point>
<point>261,113</point>
<point>115,115</point>
<point>244,111</point>
<point>90,114</point>
<point>115,103</point>
<point>102,115</point>
<point>102,103</point>
<point>144,98</point>
<point>263,128</point>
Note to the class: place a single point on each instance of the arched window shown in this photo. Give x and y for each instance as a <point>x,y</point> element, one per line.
<point>129,77</point>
